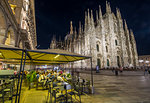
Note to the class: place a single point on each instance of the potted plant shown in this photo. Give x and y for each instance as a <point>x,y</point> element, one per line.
<point>31,77</point>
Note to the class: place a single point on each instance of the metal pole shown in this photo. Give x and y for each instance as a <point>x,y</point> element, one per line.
<point>22,75</point>
<point>19,77</point>
<point>92,76</point>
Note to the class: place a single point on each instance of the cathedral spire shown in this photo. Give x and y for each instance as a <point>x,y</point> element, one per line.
<point>108,8</point>
<point>132,36</point>
<point>134,49</point>
<point>53,42</point>
<point>80,28</point>
<point>88,18</point>
<point>97,16</point>
<point>85,24</point>
<point>118,13</point>
<point>100,12</point>
<point>127,31</point>
<point>126,27</point>
<point>75,33</point>
<point>71,28</point>
<point>92,18</point>
<point>54,38</point>
<point>100,15</point>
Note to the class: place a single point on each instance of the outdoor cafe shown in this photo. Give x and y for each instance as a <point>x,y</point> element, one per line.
<point>61,84</point>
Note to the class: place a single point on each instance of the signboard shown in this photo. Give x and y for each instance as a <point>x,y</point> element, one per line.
<point>6,72</point>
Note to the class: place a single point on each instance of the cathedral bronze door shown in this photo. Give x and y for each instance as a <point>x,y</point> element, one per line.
<point>108,63</point>
<point>99,63</point>
<point>118,61</point>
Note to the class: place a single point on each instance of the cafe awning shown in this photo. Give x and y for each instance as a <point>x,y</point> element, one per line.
<point>53,56</point>
<point>9,54</point>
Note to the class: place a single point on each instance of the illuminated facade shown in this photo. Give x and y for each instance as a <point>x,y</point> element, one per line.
<point>144,60</point>
<point>107,39</point>
<point>17,23</point>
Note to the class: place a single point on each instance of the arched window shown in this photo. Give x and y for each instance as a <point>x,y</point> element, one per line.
<point>97,46</point>
<point>98,63</point>
<point>108,63</point>
<point>106,49</point>
<point>116,42</point>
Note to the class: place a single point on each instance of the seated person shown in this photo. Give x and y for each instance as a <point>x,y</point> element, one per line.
<point>59,78</point>
<point>38,75</point>
<point>49,74</point>
<point>41,78</point>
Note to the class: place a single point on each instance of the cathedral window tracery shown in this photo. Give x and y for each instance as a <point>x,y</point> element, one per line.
<point>97,46</point>
<point>116,42</point>
<point>106,49</point>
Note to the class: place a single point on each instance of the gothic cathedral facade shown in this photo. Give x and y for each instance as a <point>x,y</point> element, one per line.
<point>107,39</point>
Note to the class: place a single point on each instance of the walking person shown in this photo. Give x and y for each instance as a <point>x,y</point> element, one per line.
<point>116,71</point>
<point>146,71</point>
<point>121,69</point>
<point>113,69</point>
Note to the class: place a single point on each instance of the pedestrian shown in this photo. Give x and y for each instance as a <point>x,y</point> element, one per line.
<point>116,72</point>
<point>97,69</point>
<point>121,69</point>
<point>145,71</point>
<point>113,69</point>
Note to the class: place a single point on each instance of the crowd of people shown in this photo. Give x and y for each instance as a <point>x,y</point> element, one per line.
<point>49,75</point>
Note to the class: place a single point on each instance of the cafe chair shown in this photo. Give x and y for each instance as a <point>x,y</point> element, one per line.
<point>2,94</point>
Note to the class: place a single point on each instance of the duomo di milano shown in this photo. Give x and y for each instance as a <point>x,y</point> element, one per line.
<point>17,23</point>
<point>107,39</point>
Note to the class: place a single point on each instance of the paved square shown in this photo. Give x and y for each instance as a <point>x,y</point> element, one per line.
<point>130,87</point>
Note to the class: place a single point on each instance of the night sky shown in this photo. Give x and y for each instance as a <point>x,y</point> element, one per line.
<point>53,18</point>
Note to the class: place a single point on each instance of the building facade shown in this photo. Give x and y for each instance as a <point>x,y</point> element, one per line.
<point>107,39</point>
<point>17,23</point>
<point>144,60</point>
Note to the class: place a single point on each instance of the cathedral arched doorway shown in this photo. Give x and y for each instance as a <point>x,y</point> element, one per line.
<point>2,26</point>
<point>108,64</point>
<point>99,63</point>
<point>10,37</point>
<point>118,61</point>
